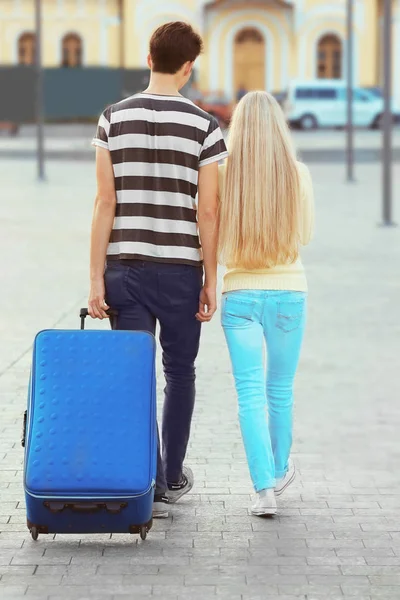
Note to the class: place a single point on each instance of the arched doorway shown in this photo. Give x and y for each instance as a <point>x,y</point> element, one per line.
<point>72,50</point>
<point>329,57</point>
<point>26,48</point>
<point>249,60</point>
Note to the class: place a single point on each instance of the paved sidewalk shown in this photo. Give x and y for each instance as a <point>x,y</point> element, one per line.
<point>338,533</point>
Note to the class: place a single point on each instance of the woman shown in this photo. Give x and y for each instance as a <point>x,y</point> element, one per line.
<point>266,212</point>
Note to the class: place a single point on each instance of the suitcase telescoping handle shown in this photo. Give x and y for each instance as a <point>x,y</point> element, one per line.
<point>85,313</point>
<point>86,507</point>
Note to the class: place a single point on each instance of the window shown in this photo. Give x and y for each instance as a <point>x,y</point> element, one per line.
<point>304,93</point>
<point>329,57</point>
<point>72,51</point>
<point>316,94</point>
<point>360,96</point>
<point>26,49</point>
<point>326,94</point>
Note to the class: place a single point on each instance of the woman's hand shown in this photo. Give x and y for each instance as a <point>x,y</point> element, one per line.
<point>97,303</point>
<point>207,304</point>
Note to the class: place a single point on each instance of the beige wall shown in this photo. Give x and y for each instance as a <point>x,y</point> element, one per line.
<point>96,21</point>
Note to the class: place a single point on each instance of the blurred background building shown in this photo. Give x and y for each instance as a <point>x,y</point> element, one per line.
<point>260,44</point>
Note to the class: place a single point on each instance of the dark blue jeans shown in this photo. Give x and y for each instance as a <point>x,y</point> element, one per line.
<point>146,292</point>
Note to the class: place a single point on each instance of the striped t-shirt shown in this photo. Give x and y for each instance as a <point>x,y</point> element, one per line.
<point>157,145</point>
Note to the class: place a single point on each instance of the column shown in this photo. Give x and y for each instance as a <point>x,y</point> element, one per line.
<point>131,36</point>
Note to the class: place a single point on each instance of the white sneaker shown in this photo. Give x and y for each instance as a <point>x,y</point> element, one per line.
<point>177,490</point>
<point>160,507</point>
<point>283,483</point>
<point>265,504</point>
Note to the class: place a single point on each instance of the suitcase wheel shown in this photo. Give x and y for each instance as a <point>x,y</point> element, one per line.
<point>34,533</point>
<point>143,532</point>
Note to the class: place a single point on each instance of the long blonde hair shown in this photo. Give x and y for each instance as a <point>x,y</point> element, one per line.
<point>259,207</point>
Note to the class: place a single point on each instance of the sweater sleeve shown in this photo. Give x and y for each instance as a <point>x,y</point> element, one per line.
<point>306,205</point>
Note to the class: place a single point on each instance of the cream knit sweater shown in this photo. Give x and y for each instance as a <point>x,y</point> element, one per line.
<point>281,277</point>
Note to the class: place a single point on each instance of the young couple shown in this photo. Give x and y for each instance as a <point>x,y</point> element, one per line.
<point>156,153</point>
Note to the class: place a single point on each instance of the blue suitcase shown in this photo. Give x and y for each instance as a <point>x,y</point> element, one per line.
<point>90,432</point>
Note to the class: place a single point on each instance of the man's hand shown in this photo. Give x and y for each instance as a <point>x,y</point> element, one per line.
<point>97,304</point>
<point>207,304</point>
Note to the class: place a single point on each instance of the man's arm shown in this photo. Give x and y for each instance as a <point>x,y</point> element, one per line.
<point>103,219</point>
<point>207,219</point>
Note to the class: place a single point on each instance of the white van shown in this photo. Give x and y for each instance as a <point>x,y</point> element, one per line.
<point>323,103</point>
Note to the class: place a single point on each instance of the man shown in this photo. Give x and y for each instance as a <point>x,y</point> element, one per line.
<point>241,93</point>
<point>156,152</point>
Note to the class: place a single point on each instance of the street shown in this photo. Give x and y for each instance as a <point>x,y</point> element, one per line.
<point>72,142</point>
<point>338,531</point>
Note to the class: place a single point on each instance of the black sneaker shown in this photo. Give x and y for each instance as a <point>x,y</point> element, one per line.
<point>160,507</point>
<point>177,490</point>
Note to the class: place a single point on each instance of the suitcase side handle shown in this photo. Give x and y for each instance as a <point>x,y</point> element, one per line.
<point>84,312</point>
<point>23,436</point>
<point>86,507</point>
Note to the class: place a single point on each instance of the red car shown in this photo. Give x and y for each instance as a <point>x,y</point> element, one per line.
<point>11,128</point>
<point>219,107</point>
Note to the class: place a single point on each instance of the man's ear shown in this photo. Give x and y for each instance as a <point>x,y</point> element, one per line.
<point>188,69</point>
<point>149,62</point>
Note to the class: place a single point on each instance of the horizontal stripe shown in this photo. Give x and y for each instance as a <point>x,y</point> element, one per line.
<point>156,184</point>
<point>217,149</point>
<point>104,123</point>
<point>148,155</point>
<point>212,139</point>
<point>213,125</point>
<point>219,158</point>
<point>213,159</point>
<point>169,199</point>
<point>158,225</point>
<point>161,211</point>
<point>158,129</point>
<point>152,237</point>
<point>100,143</point>
<point>159,142</point>
<point>149,116</point>
<point>101,134</point>
<point>166,252</point>
<point>155,170</point>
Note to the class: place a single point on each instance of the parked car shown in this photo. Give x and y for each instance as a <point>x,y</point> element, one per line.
<point>9,127</point>
<point>323,103</point>
<point>219,107</point>
<point>378,93</point>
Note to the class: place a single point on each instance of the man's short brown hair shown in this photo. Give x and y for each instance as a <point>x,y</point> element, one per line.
<point>172,45</point>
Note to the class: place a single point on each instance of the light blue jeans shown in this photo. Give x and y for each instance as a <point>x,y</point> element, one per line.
<point>249,317</point>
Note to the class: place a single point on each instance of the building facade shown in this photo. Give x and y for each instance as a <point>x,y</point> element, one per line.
<point>248,43</point>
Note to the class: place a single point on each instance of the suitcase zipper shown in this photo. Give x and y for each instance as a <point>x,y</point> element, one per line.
<point>82,498</point>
